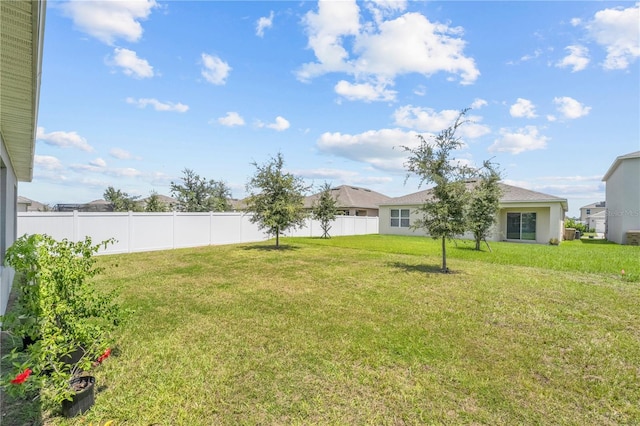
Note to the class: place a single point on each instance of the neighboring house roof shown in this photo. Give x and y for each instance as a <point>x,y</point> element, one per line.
<point>617,162</point>
<point>238,204</point>
<point>599,204</point>
<point>22,28</point>
<point>601,214</point>
<point>32,206</point>
<point>165,199</point>
<point>348,196</point>
<point>510,194</point>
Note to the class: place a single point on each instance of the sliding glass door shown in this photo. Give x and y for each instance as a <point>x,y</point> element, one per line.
<point>521,226</point>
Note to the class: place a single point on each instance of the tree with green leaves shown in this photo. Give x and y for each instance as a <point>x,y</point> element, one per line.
<point>121,201</point>
<point>276,198</point>
<point>325,209</point>
<point>444,214</point>
<point>484,205</point>
<point>196,194</point>
<point>154,204</point>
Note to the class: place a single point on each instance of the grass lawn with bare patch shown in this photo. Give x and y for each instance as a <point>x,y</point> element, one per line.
<point>365,330</point>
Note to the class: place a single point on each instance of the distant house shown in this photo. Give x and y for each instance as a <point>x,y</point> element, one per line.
<point>169,202</point>
<point>524,215</point>
<point>591,209</point>
<point>352,200</point>
<point>93,206</point>
<point>623,197</point>
<point>27,205</point>
<point>21,36</point>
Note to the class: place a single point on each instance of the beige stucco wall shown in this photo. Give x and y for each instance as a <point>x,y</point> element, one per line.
<point>623,200</point>
<point>549,221</point>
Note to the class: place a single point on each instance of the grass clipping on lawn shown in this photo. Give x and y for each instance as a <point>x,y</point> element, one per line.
<point>314,334</point>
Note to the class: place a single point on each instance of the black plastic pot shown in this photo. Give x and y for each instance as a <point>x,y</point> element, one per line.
<point>83,400</point>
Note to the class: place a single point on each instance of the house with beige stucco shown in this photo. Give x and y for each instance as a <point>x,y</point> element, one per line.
<point>21,42</point>
<point>524,215</point>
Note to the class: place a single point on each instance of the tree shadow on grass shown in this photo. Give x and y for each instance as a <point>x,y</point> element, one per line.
<point>282,247</point>
<point>428,269</point>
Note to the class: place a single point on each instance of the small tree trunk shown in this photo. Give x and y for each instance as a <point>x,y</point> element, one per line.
<point>477,244</point>
<point>277,237</point>
<point>444,255</point>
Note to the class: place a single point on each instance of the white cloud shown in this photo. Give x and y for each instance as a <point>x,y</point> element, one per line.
<point>428,120</point>
<point>529,57</point>
<point>525,139</point>
<point>280,124</point>
<point>157,105</point>
<point>577,59</point>
<point>215,70</point>
<point>120,154</point>
<point>231,119</point>
<point>617,31</point>
<point>341,177</point>
<point>326,30</point>
<point>63,139</point>
<point>127,172</point>
<point>523,108</point>
<point>570,108</point>
<point>424,119</point>
<point>110,20</point>
<point>383,49</point>
<point>413,44</point>
<point>264,23</point>
<point>478,103</point>
<point>364,91</point>
<point>130,63</point>
<point>382,149</point>
<point>98,162</point>
<point>47,162</point>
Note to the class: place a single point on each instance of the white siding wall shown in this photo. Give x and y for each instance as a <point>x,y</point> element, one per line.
<point>136,232</point>
<point>623,200</point>
<point>8,197</point>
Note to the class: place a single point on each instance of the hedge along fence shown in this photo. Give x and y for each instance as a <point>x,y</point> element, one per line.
<point>136,232</point>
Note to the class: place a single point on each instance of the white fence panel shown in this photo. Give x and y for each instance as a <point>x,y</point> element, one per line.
<point>136,232</point>
<point>152,231</point>
<point>102,226</point>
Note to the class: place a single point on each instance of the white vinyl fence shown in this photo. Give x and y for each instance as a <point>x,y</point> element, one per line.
<point>135,232</point>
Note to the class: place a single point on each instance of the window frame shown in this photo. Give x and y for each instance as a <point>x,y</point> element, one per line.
<point>400,218</point>
<point>525,220</point>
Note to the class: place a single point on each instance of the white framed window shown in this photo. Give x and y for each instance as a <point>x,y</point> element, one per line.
<point>400,218</point>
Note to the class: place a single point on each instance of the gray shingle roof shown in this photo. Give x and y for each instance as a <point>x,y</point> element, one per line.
<point>510,194</point>
<point>348,196</point>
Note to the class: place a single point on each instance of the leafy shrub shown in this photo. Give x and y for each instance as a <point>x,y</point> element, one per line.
<point>58,307</point>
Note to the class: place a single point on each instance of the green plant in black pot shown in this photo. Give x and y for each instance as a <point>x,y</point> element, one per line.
<point>74,319</point>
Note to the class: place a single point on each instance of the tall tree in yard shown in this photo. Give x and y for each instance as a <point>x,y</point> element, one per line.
<point>196,194</point>
<point>154,204</point>
<point>276,198</point>
<point>444,215</point>
<point>325,209</point>
<point>484,204</point>
<point>120,201</point>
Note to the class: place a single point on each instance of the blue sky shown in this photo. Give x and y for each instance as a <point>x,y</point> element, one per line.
<point>133,92</point>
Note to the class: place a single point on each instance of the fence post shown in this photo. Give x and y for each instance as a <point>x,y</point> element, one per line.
<point>75,225</point>
<point>173,230</point>
<point>129,231</point>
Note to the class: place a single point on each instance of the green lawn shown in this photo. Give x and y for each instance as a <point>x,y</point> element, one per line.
<point>364,330</point>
